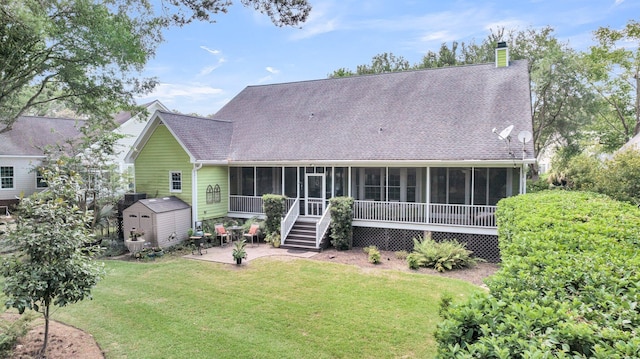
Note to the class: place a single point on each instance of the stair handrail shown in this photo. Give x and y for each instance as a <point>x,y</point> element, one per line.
<point>323,225</point>
<point>289,220</point>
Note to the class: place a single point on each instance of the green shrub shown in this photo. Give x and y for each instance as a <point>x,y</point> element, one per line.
<point>415,260</point>
<point>341,222</point>
<point>568,285</point>
<point>374,255</point>
<point>443,256</point>
<point>273,206</point>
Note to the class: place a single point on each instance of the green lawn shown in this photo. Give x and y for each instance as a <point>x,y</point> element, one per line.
<point>177,308</point>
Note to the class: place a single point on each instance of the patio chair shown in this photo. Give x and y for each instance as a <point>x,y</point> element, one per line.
<point>222,234</point>
<point>253,232</point>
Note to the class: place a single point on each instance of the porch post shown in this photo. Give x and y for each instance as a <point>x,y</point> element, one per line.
<point>427,218</point>
<point>349,181</point>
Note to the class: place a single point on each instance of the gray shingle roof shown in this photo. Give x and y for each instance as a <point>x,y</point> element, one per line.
<point>30,134</point>
<point>436,114</point>
<point>205,138</point>
<point>164,204</point>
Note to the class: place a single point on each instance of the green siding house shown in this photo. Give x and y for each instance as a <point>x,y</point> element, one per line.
<point>421,152</point>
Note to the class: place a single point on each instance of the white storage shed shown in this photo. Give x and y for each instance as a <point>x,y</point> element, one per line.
<point>165,221</point>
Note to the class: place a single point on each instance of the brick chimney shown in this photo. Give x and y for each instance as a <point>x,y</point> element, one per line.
<point>502,55</point>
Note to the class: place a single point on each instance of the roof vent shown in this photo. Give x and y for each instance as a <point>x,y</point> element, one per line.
<point>502,55</point>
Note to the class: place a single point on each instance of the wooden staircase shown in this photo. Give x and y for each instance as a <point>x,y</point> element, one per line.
<point>302,236</point>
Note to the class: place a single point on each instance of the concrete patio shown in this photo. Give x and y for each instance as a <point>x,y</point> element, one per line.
<point>223,254</point>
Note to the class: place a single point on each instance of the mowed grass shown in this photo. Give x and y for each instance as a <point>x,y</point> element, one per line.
<point>178,308</point>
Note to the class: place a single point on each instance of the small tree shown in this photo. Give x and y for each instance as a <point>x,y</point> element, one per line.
<point>341,222</point>
<point>52,264</point>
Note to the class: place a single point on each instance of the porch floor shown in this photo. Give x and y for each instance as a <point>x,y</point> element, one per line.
<point>223,254</point>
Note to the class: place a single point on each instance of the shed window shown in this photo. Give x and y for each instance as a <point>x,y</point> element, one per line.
<point>6,177</point>
<point>175,184</point>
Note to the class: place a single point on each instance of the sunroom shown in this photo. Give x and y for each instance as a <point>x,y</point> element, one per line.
<point>420,198</point>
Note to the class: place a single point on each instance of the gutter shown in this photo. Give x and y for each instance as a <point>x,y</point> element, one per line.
<point>194,192</point>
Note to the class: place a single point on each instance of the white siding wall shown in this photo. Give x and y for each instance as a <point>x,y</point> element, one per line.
<point>24,180</point>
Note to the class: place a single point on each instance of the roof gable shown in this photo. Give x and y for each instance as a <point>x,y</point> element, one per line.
<point>203,139</point>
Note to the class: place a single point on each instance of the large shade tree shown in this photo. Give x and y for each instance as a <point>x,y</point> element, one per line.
<point>88,54</point>
<point>614,73</point>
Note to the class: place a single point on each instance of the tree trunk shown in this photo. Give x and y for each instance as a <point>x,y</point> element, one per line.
<point>43,351</point>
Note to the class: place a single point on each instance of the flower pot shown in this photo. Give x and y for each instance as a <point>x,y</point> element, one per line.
<point>238,261</point>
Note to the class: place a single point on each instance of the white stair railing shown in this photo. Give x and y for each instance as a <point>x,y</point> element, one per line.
<point>323,225</point>
<point>289,220</point>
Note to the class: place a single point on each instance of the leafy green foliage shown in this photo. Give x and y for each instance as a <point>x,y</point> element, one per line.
<point>616,177</point>
<point>341,211</point>
<point>613,67</point>
<point>53,262</point>
<point>88,55</point>
<point>273,205</point>
<point>567,287</point>
<point>374,254</point>
<point>443,256</point>
<point>11,331</point>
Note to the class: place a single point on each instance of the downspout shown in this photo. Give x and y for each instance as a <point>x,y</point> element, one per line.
<point>194,193</point>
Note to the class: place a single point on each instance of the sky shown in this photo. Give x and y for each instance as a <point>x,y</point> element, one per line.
<point>201,66</point>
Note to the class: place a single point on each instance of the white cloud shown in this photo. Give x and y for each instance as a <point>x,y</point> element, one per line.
<point>167,91</point>
<point>324,18</point>
<point>618,2</point>
<point>272,70</point>
<point>214,52</point>
<point>209,69</point>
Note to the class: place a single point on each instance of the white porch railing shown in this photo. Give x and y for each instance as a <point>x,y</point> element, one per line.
<point>245,204</point>
<point>289,219</point>
<point>251,204</point>
<point>424,213</point>
<point>314,206</point>
<point>323,225</point>
<point>399,212</point>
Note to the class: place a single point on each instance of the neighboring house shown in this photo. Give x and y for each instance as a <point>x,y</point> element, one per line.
<point>131,126</point>
<point>417,150</point>
<point>632,144</point>
<point>21,149</point>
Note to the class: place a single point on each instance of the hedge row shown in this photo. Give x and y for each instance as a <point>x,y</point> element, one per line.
<point>568,286</point>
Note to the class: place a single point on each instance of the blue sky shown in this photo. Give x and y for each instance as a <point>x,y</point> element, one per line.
<point>202,66</point>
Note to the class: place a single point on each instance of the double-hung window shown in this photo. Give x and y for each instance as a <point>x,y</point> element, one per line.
<point>40,183</point>
<point>175,181</point>
<point>6,177</point>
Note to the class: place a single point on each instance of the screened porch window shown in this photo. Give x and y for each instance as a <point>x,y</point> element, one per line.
<point>450,185</point>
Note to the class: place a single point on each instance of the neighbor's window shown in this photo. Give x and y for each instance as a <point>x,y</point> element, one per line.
<point>40,183</point>
<point>6,177</point>
<point>175,184</point>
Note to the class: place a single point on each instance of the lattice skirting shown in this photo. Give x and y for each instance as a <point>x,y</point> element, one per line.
<point>483,246</point>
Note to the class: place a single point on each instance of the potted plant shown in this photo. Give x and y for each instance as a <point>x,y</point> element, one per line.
<point>135,234</point>
<point>273,238</point>
<point>239,251</point>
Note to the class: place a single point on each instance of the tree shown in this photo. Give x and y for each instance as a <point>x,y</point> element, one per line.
<point>381,63</point>
<point>88,54</point>
<point>52,264</point>
<point>561,102</point>
<point>614,73</point>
